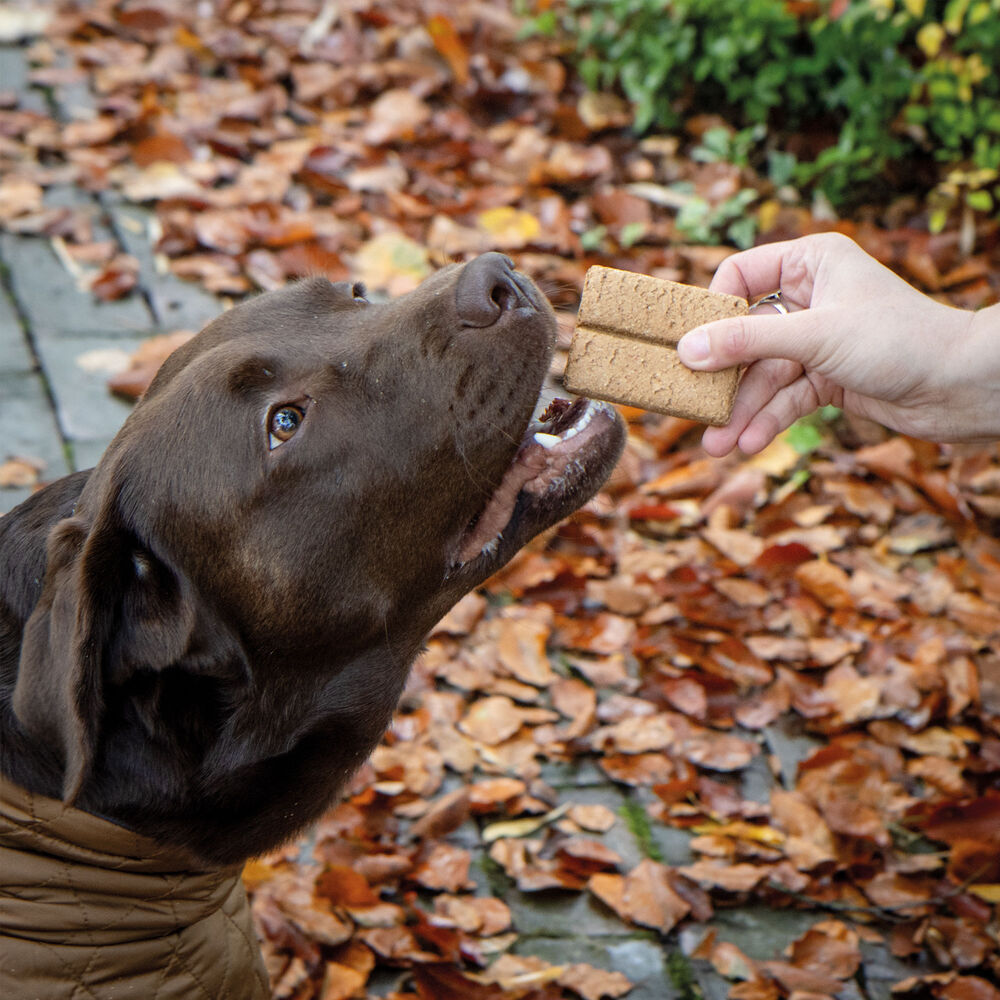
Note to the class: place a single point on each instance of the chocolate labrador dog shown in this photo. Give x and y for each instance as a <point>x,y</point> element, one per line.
<point>204,636</point>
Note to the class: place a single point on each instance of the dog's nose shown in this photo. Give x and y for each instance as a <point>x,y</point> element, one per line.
<point>487,287</point>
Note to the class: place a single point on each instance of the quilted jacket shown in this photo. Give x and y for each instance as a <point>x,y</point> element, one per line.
<point>91,911</point>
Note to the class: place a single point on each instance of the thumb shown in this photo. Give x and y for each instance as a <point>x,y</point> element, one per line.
<point>724,343</point>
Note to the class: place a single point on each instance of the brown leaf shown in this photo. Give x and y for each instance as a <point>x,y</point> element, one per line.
<point>826,582</point>
<point>396,944</point>
<point>463,617</point>
<point>718,875</point>
<point>610,890</point>
<point>20,473</point>
<point>340,982</point>
<point>345,887</point>
<point>492,794</point>
<point>395,115</point>
<point>829,947</point>
<point>446,868</point>
<point>911,896</point>
<point>594,984</point>
<point>598,818</point>
<point>117,279</point>
<point>521,650</point>
<point>719,751</point>
<point>577,701</point>
<point>447,814</point>
<point>584,856</point>
<point>637,769</point>
<point>650,899</point>
<point>145,363</point>
<point>492,720</point>
<point>310,913</point>
<point>636,736</point>
<point>474,914</point>
<point>160,146</point>
<point>742,547</point>
<point>979,617</point>
<point>18,196</point>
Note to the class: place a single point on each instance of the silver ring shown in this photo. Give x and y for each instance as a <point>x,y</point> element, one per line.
<point>775,300</point>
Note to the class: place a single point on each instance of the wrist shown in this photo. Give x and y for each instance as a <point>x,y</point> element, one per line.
<point>975,376</point>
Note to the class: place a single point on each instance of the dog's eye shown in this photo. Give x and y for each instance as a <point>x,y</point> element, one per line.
<point>283,424</point>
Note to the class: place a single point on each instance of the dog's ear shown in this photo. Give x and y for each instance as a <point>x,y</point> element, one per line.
<point>57,696</point>
<point>109,609</point>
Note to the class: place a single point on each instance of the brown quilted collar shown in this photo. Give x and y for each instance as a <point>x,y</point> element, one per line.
<point>69,872</point>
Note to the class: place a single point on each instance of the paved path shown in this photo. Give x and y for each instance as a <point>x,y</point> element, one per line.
<point>58,344</point>
<point>57,348</point>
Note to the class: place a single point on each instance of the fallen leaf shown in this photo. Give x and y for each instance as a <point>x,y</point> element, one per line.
<point>732,878</point>
<point>509,228</point>
<point>20,473</point>
<point>492,720</point>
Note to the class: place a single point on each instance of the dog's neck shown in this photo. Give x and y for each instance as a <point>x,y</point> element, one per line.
<point>263,786</point>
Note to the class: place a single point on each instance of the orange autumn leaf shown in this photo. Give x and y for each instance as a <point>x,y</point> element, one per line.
<point>450,46</point>
<point>343,886</point>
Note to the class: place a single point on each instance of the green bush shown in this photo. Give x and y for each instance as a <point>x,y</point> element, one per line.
<point>907,90</point>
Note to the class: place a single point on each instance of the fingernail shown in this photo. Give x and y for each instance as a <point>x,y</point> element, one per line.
<point>693,347</point>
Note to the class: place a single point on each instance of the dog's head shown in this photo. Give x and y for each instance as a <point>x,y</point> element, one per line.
<point>306,487</point>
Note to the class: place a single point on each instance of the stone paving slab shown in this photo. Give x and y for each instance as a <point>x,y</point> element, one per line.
<point>58,343</point>
<point>642,959</point>
<point>15,355</point>
<point>77,369</point>
<point>54,307</point>
<point>30,429</point>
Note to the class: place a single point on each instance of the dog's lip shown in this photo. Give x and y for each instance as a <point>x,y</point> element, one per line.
<point>553,462</point>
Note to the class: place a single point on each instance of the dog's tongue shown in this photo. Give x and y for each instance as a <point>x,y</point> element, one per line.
<point>540,465</point>
<point>529,462</point>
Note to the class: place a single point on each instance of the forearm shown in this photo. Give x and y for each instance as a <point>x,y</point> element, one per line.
<point>982,366</point>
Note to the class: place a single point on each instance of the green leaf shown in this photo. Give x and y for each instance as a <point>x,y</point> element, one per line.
<point>743,232</point>
<point>631,233</point>
<point>937,220</point>
<point>592,239</point>
<point>804,436</point>
<point>981,201</point>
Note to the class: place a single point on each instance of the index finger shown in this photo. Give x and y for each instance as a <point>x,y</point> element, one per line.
<point>753,272</point>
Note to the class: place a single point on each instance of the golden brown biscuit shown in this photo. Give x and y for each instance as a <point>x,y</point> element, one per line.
<point>624,347</point>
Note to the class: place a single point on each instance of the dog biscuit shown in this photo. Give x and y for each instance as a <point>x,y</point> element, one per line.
<point>624,348</point>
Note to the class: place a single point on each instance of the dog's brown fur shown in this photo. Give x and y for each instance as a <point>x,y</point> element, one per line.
<point>203,637</point>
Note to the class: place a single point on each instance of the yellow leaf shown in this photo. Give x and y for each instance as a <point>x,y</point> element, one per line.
<point>915,7</point>
<point>955,15</point>
<point>522,827</point>
<point>989,892</point>
<point>256,873</point>
<point>534,977</point>
<point>976,68</point>
<point>392,262</point>
<point>510,228</point>
<point>743,831</point>
<point>938,220</point>
<point>777,459</point>
<point>767,214</point>
<point>929,38</point>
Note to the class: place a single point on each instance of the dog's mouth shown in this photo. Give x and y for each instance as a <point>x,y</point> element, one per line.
<point>566,454</point>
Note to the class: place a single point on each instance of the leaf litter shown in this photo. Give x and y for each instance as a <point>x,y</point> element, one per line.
<point>845,583</point>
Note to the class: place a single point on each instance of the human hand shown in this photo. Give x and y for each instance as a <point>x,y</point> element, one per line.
<point>856,336</point>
